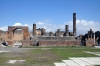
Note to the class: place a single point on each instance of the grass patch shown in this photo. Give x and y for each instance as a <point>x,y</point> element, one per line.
<point>47,57</point>
<point>74,52</point>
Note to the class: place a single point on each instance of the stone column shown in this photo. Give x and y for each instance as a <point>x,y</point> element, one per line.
<point>88,37</point>
<point>66,30</point>
<point>34,29</point>
<point>69,33</point>
<point>42,31</point>
<point>94,38</point>
<point>91,36</point>
<point>74,24</point>
<point>1,43</point>
<point>51,34</point>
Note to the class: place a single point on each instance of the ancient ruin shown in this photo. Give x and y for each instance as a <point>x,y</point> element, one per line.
<point>19,35</point>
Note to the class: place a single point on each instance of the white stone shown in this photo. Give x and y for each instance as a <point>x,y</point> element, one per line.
<point>97,46</point>
<point>21,60</point>
<point>3,51</point>
<point>60,64</point>
<point>70,62</point>
<point>12,61</point>
<point>80,62</point>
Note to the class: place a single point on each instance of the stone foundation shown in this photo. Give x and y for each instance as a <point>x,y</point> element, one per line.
<point>59,43</point>
<point>90,43</point>
<point>10,43</point>
<point>27,43</point>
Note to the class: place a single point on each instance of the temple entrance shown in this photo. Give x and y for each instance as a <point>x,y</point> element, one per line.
<point>18,34</point>
<point>18,37</point>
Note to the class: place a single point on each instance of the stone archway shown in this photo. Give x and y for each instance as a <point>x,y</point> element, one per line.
<point>18,34</point>
<point>11,30</point>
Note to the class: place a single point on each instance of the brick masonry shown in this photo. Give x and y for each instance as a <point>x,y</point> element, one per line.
<point>28,43</point>
<point>90,43</point>
<point>59,43</point>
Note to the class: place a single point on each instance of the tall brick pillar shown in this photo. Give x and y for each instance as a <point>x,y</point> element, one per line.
<point>66,30</point>
<point>34,29</point>
<point>74,24</point>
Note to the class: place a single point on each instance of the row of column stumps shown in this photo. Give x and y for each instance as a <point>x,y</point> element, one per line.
<point>66,27</point>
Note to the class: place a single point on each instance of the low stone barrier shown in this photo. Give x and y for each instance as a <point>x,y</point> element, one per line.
<point>59,43</point>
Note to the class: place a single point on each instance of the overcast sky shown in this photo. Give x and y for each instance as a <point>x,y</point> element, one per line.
<point>51,14</point>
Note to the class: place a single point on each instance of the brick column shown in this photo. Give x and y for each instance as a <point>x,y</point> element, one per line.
<point>66,30</point>
<point>34,29</point>
<point>74,24</point>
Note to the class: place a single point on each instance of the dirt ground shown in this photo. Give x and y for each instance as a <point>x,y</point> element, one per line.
<point>33,56</point>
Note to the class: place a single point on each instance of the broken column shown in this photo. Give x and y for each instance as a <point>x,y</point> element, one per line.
<point>34,29</point>
<point>42,31</point>
<point>66,30</point>
<point>50,33</point>
<point>74,24</point>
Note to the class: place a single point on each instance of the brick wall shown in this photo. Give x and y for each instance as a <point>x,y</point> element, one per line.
<point>10,43</point>
<point>28,43</point>
<point>59,43</point>
<point>90,43</point>
<point>18,37</point>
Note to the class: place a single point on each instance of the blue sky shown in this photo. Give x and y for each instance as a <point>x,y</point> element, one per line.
<point>56,13</point>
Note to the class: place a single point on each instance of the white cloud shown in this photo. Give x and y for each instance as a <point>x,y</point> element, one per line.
<point>82,26</point>
<point>19,24</point>
<point>5,28</point>
<point>39,23</point>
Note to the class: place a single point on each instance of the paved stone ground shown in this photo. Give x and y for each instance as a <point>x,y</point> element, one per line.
<point>81,61</point>
<point>13,61</point>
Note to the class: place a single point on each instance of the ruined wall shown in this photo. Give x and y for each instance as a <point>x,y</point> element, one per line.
<point>53,38</point>
<point>3,35</point>
<point>18,35</point>
<point>90,43</point>
<point>59,43</point>
<point>28,43</point>
<point>11,30</point>
<point>38,32</point>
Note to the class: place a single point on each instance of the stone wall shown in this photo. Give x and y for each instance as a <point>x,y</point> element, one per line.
<point>90,43</point>
<point>12,29</point>
<point>28,43</point>
<point>3,35</point>
<point>53,38</point>
<point>10,43</point>
<point>59,43</point>
<point>18,35</point>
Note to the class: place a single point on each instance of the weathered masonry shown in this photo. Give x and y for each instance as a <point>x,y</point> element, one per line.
<point>39,37</point>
